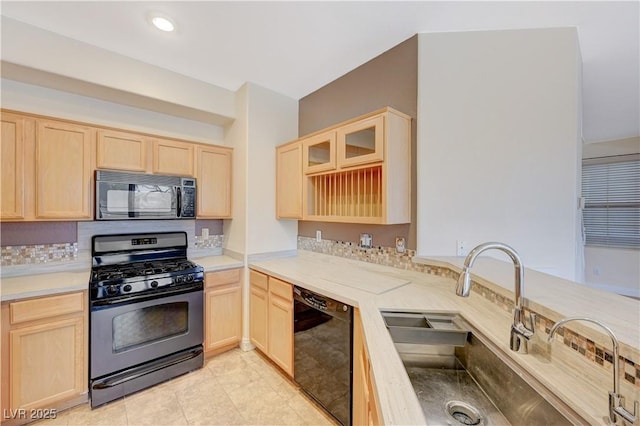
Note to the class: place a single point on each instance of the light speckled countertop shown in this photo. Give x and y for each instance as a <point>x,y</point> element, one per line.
<point>74,276</point>
<point>578,382</point>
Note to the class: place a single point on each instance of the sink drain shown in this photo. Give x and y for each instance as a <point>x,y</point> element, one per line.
<point>463,413</point>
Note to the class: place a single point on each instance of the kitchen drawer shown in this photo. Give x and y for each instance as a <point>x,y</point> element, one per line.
<point>258,279</point>
<point>221,278</point>
<point>280,288</point>
<point>45,307</point>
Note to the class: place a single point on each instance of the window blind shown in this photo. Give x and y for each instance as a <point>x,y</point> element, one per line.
<point>611,211</point>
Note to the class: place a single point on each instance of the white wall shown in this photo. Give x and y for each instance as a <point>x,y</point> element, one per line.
<point>236,135</point>
<point>498,147</point>
<point>264,119</point>
<point>33,47</point>
<point>41,100</point>
<point>273,120</point>
<point>613,269</point>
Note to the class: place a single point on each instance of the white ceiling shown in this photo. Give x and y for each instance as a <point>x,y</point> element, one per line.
<point>297,47</point>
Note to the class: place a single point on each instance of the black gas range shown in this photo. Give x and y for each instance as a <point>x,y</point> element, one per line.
<point>132,265</point>
<point>146,319</point>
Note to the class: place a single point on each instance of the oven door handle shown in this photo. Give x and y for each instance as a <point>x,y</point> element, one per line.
<point>130,375</point>
<point>143,297</point>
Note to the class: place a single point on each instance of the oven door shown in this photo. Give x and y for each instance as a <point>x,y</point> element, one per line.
<point>139,330</point>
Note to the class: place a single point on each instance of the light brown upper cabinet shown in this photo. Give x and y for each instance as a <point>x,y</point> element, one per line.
<point>289,181</point>
<point>319,152</point>
<point>64,170</point>
<point>371,179</point>
<point>48,166</point>
<point>17,134</point>
<point>361,142</point>
<point>173,158</point>
<point>122,151</point>
<point>213,165</point>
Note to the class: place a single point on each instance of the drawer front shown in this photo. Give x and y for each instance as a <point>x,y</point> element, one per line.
<point>280,288</point>
<point>45,307</point>
<point>258,279</point>
<point>221,278</point>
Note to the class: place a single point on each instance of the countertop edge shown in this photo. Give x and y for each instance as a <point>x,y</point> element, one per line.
<point>42,293</point>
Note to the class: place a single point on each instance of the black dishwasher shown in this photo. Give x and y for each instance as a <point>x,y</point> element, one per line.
<point>323,341</point>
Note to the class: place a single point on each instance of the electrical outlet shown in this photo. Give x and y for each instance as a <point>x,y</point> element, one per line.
<point>366,240</point>
<point>205,232</point>
<point>318,235</point>
<point>461,248</point>
<point>400,245</point>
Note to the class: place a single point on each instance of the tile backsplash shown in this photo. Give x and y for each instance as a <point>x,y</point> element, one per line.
<point>208,242</point>
<point>38,253</point>
<point>53,253</point>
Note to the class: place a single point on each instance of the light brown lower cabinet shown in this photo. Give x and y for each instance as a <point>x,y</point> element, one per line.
<point>365,400</point>
<point>259,302</point>
<point>280,324</point>
<point>271,319</point>
<point>44,355</point>
<point>223,311</point>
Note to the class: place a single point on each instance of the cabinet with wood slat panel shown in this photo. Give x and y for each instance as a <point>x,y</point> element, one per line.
<point>358,171</point>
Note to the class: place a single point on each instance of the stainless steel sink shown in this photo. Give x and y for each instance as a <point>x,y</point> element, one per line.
<point>462,378</point>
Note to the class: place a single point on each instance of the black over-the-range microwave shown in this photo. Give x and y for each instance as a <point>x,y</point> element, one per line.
<point>126,196</point>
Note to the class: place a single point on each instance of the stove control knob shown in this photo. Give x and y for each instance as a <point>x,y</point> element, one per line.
<point>178,279</point>
<point>189,278</point>
<point>154,284</point>
<point>112,290</point>
<point>127,287</point>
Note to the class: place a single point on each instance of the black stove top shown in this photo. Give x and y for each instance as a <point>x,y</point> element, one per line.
<point>138,270</point>
<point>131,264</point>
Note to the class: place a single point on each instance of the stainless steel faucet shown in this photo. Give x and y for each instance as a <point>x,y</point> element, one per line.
<point>616,401</point>
<point>520,333</point>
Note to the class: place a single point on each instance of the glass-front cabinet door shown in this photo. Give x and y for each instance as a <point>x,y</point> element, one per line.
<point>319,153</point>
<point>361,142</point>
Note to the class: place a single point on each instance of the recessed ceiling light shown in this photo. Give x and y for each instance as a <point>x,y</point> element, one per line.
<point>162,23</point>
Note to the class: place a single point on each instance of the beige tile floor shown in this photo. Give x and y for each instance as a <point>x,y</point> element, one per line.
<point>233,388</point>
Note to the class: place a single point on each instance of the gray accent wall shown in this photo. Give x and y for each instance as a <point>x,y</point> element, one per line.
<point>390,79</point>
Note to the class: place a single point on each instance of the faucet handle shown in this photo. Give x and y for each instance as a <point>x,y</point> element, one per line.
<point>532,322</point>
<point>618,409</point>
<point>520,322</point>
